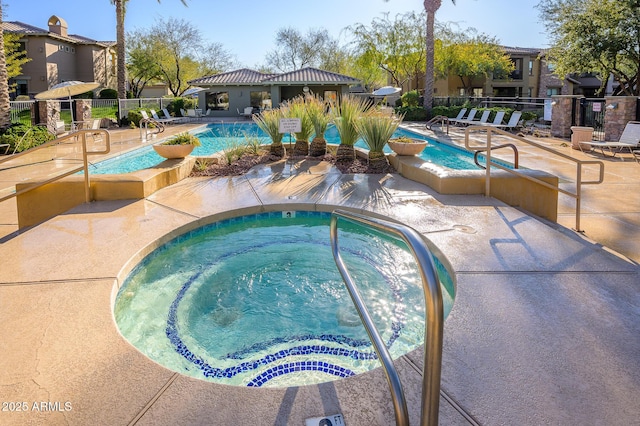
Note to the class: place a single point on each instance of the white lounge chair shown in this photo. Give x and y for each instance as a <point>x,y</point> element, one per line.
<point>513,121</point>
<point>471,116</point>
<point>497,120</point>
<point>461,114</point>
<point>156,117</point>
<point>483,119</point>
<point>629,140</point>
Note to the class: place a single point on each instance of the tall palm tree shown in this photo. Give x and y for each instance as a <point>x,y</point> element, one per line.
<point>120,44</point>
<point>5,106</point>
<point>431,7</point>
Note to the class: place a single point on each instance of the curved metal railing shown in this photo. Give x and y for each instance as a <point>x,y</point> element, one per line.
<point>434,312</point>
<point>516,155</point>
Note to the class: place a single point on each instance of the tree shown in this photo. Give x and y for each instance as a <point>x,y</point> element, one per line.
<point>295,50</point>
<point>469,55</point>
<point>595,35</point>
<point>396,47</point>
<point>431,7</point>
<point>14,57</point>
<point>121,45</point>
<point>178,53</point>
<point>5,106</point>
<point>142,66</point>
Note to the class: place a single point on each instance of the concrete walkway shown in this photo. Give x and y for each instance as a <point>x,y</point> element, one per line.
<point>545,328</point>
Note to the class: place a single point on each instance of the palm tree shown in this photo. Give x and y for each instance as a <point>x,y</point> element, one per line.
<point>121,44</point>
<point>5,106</point>
<point>431,7</point>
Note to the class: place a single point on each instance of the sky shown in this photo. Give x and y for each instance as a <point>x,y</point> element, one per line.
<point>247,29</point>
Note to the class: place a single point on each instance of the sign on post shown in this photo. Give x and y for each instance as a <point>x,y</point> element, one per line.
<point>289,125</point>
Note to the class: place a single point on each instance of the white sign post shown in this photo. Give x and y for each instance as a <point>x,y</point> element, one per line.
<point>289,125</point>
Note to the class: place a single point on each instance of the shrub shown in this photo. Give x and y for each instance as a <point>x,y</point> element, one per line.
<point>24,137</point>
<point>183,139</point>
<point>108,94</point>
<point>134,117</point>
<point>410,99</point>
<point>415,113</point>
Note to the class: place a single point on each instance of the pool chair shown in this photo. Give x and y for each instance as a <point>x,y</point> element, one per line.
<point>156,117</point>
<point>514,120</point>
<point>483,119</point>
<point>497,120</point>
<point>471,116</point>
<point>629,141</point>
<point>461,114</point>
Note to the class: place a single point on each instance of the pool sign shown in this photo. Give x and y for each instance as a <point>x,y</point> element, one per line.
<point>290,125</point>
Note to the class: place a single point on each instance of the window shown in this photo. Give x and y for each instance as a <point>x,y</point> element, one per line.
<point>477,92</point>
<point>461,91</point>
<point>218,101</point>
<point>530,92</point>
<point>22,87</point>
<point>553,91</point>
<point>551,67</point>
<point>22,46</point>
<point>60,47</point>
<point>530,66</point>
<point>261,99</point>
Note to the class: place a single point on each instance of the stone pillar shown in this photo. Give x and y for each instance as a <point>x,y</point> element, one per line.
<point>49,112</point>
<point>561,112</point>
<point>618,111</point>
<point>82,110</point>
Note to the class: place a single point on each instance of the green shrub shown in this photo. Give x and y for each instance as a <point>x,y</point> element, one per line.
<point>25,137</point>
<point>410,99</point>
<point>134,117</point>
<point>416,113</point>
<point>183,139</point>
<point>108,94</point>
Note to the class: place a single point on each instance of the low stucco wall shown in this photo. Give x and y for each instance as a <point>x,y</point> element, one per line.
<point>54,198</point>
<point>511,189</point>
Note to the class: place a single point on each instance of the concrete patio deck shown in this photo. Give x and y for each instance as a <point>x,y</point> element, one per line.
<point>544,330</point>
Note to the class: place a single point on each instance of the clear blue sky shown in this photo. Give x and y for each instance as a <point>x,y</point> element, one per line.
<point>247,28</point>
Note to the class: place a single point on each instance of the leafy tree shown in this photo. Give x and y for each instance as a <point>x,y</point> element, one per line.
<point>121,43</point>
<point>396,47</point>
<point>595,35</point>
<point>469,55</point>
<point>142,66</point>
<point>178,53</point>
<point>5,106</point>
<point>14,57</point>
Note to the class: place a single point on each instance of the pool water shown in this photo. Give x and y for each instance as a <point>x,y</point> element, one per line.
<point>258,301</point>
<point>218,137</point>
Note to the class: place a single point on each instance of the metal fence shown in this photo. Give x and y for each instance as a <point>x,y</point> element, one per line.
<point>21,111</point>
<point>127,105</point>
<point>520,104</point>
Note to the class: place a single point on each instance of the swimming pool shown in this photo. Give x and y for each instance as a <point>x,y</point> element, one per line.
<point>258,301</point>
<point>217,137</point>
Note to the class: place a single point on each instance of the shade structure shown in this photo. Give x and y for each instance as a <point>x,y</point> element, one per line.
<point>192,91</point>
<point>67,89</point>
<point>386,91</point>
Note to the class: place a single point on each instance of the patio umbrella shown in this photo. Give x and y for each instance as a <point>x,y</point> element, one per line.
<point>386,91</point>
<point>192,91</point>
<point>67,89</point>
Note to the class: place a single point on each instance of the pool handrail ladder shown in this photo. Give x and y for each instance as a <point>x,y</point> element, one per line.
<point>434,311</point>
<point>79,134</point>
<point>488,148</point>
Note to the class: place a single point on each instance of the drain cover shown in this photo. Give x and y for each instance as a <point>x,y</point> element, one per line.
<point>464,228</point>
<point>332,420</point>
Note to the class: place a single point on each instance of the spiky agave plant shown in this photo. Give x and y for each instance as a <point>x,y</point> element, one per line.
<point>296,108</point>
<point>317,112</point>
<point>350,110</point>
<point>376,130</point>
<point>269,122</point>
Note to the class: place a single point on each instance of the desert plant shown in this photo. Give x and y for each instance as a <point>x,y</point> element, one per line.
<point>21,137</point>
<point>183,139</point>
<point>269,122</point>
<point>202,164</point>
<point>376,130</point>
<point>316,110</point>
<point>296,108</point>
<point>346,114</point>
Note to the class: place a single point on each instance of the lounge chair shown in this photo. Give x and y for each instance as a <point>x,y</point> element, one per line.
<point>629,140</point>
<point>461,114</point>
<point>471,116</point>
<point>156,117</point>
<point>483,119</point>
<point>513,121</point>
<point>497,120</point>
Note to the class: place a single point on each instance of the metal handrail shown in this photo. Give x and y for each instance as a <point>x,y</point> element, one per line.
<point>438,118</point>
<point>516,155</point>
<point>433,309</point>
<point>85,163</point>
<point>579,164</point>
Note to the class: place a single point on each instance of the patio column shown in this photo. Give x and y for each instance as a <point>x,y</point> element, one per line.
<point>618,111</point>
<point>82,109</point>
<point>49,113</point>
<point>561,112</point>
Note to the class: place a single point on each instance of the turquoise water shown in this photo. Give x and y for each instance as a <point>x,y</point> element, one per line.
<point>217,137</point>
<point>258,301</point>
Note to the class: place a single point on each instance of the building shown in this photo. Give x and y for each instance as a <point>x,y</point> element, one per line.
<point>228,94</point>
<point>57,56</point>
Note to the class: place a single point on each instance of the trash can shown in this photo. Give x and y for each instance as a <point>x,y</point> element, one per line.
<point>581,134</point>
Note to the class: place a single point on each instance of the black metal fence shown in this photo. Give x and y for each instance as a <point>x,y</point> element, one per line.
<point>591,115</point>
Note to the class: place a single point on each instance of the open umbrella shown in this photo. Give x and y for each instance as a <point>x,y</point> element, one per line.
<point>386,91</point>
<point>192,91</point>
<point>67,89</point>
